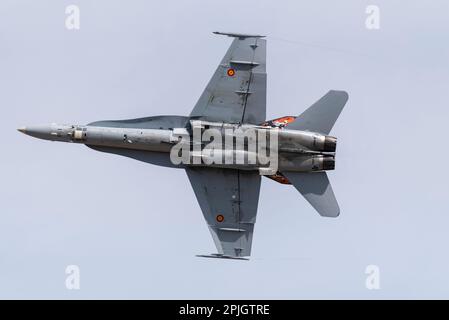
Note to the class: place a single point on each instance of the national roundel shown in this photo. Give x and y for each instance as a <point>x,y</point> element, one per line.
<point>231,72</point>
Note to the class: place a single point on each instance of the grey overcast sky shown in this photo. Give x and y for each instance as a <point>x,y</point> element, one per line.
<point>134,229</point>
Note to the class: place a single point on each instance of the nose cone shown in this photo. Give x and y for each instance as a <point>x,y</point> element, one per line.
<point>39,131</point>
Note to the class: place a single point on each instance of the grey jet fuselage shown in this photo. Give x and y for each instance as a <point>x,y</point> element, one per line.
<point>299,151</point>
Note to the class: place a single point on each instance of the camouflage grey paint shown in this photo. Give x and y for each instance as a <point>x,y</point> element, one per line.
<point>227,193</point>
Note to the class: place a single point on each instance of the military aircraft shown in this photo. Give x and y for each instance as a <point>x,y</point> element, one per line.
<point>235,98</point>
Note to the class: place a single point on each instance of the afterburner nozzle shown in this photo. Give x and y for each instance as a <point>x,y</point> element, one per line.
<point>330,144</point>
<point>328,163</point>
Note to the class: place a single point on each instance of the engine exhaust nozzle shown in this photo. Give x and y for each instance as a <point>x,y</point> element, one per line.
<point>330,144</point>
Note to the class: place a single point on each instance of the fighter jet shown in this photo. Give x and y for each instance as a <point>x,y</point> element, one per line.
<point>233,101</point>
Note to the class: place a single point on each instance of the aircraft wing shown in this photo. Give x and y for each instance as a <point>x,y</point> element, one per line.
<point>228,199</point>
<point>237,91</point>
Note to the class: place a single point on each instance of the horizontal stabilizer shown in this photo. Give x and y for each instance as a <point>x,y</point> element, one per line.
<point>321,116</point>
<point>317,190</point>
